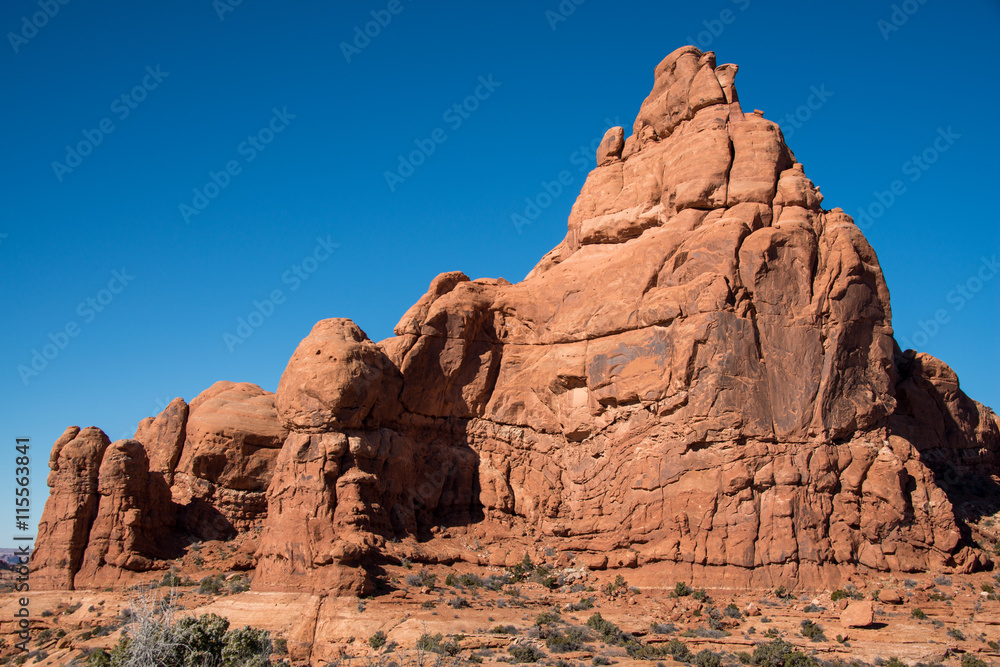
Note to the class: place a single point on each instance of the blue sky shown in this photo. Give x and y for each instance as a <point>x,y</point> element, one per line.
<point>278,139</point>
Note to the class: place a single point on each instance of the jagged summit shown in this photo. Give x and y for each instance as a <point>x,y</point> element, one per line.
<point>699,380</point>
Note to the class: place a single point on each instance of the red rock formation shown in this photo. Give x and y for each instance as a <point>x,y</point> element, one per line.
<point>700,378</point>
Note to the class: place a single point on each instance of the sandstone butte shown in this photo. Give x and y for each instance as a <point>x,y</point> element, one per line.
<point>700,380</point>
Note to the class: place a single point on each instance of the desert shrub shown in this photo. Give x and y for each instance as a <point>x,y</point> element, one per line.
<point>458,602</point>
<point>153,637</point>
<point>98,658</point>
<point>780,653</point>
<point>955,633</point>
<point>522,653</point>
<point>412,580</point>
<point>599,660</point>
<point>918,614</point>
<point>470,580</point>
<point>584,603</point>
<point>942,580</point>
<point>678,650</point>
<point>813,631</point>
<point>522,570</point>
<point>609,632</point>
<point>495,582</point>
<point>969,660</point>
<point>706,658</point>
<point>246,647</point>
<point>661,629</point>
<point>437,644</point>
<point>377,640</point>
<point>572,640</point>
<point>894,662</point>
<point>211,585</point>
<point>840,594</point>
<point>613,586</point>
<point>504,630</point>
<point>681,589</point>
<point>546,617</point>
<point>701,595</point>
<point>732,611</point>
<point>783,593</point>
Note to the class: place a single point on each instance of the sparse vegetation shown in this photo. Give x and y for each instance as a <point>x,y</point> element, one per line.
<point>524,653</point>
<point>681,589</point>
<point>813,631</point>
<point>918,614</point>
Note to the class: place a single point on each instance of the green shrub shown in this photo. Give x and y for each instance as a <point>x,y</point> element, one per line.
<point>969,660</point>
<point>377,640</point>
<point>681,589</point>
<point>706,658</point>
<point>521,653</point>
<point>813,631</point>
<point>599,660</point>
<point>246,647</point>
<point>955,633</point>
<point>564,643</point>
<point>678,650</point>
<point>918,614</point>
<point>609,632</point>
<point>546,617</point>
<point>780,653</point>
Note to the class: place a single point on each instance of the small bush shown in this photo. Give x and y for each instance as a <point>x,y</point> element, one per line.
<point>504,630</point>
<point>706,658</point>
<point>546,617</point>
<point>583,604</point>
<point>682,590</point>
<point>780,653</point>
<point>377,640</point>
<point>813,631</point>
<point>783,593</point>
<point>470,581</point>
<point>437,644</point>
<point>521,653</point>
<point>609,632</point>
<point>955,633</point>
<point>969,660</point>
<point>564,643</point>
<point>678,650</point>
<point>599,660</point>
<point>732,611</point>
<point>918,614</point>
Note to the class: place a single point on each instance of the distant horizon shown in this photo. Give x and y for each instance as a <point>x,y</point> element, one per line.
<point>264,157</point>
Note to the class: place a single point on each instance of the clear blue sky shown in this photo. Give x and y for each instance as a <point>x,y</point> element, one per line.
<point>212,83</point>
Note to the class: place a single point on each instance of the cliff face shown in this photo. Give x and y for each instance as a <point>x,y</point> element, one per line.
<point>701,377</point>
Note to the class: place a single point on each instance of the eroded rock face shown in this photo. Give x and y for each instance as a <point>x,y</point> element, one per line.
<point>700,378</point>
<point>64,530</point>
